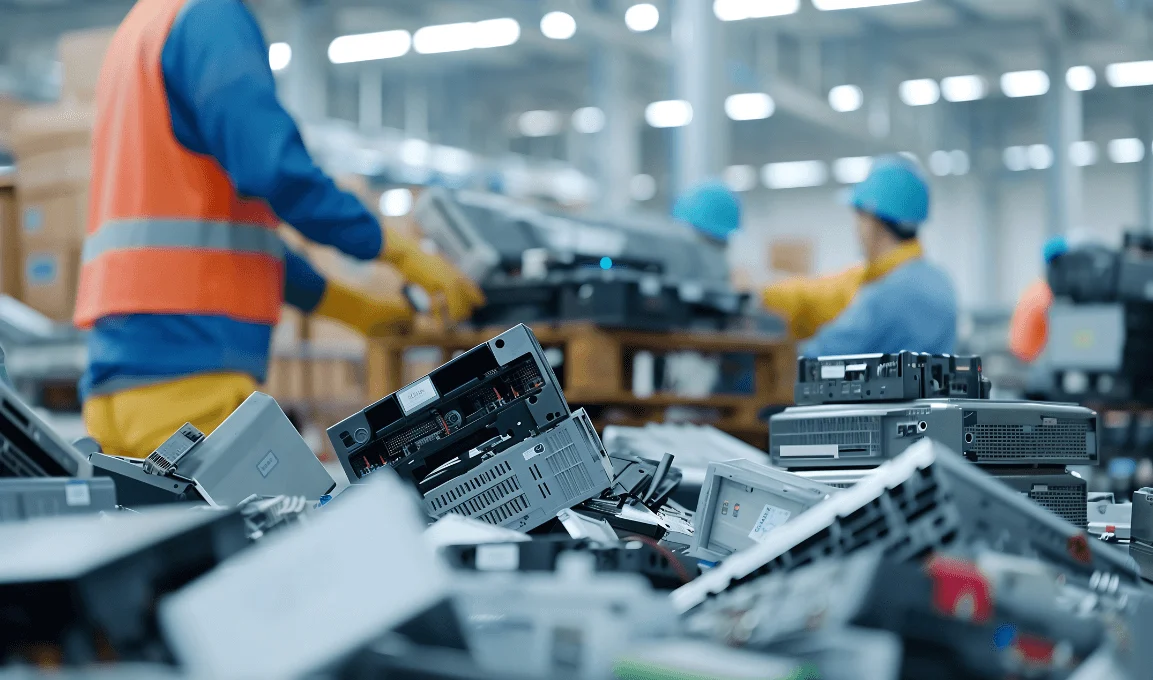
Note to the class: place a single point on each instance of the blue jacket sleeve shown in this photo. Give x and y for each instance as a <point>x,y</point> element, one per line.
<point>303,286</point>
<point>853,332</point>
<point>222,96</point>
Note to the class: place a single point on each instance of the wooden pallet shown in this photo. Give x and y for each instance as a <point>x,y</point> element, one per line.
<point>597,370</point>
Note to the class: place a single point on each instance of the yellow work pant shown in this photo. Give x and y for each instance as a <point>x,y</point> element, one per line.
<point>135,422</point>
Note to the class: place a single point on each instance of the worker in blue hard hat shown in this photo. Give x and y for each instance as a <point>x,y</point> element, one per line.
<point>896,300</point>
<point>712,209</point>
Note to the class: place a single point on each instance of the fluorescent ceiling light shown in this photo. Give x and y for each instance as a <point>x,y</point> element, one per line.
<point>740,177</point>
<point>794,174</point>
<point>830,5</point>
<point>1040,156</point>
<point>642,188</point>
<point>845,98</point>
<point>369,46</point>
<point>1130,73</point>
<point>960,161</point>
<point>466,36</point>
<point>415,152</point>
<point>920,92</point>
<point>451,161</point>
<point>279,55</point>
<point>963,88</point>
<point>736,10</point>
<point>642,17</point>
<point>558,25</point>
<point>749,106</point>
<point>539,123</point>
<point>588,120</point>
<point>1025,83</point>
<point>852,170</point>
<point>1129,150</point>
<point>669,113</point>
<point>396,202</point>
<point>940,164</point>
<point>1082,154</point>
<point>1081,78</point>
<point>1016,158</point>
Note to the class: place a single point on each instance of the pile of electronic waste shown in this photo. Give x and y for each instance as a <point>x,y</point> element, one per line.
<point>902,525</point>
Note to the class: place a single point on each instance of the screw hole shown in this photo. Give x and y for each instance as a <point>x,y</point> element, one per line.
<point>533,400</point>
<point>968,437</point>
<point>549,416</point>
<point>499,344</point>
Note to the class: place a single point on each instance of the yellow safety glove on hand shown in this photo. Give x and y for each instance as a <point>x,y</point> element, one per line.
<point>366,313</point>
<point>433,273</point>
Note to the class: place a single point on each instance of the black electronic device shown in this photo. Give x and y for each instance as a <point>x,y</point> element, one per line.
<point>660,567</point>
<point>903,376</point>
<point>485,400</point>
<point>29,447</point>
<point>84,588</point>
<point>635,476</point>
<point>1061,493</point>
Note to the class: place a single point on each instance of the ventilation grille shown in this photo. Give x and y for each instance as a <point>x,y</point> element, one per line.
<point>12,464</point>
<point>571,478</point>
<point>1064,440</point>
<point>506,511</point>
<point>858,432</point>
<point>1067,502</point>
<point>467,489</point>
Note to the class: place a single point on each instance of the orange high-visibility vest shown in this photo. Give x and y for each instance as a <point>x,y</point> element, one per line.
<point>167,232</point>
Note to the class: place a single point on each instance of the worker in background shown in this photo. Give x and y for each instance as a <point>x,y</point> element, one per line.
<point>194,165</point>
<point>896,300</point>
<point>1029,325</point>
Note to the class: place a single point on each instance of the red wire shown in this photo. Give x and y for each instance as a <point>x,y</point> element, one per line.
<point>682,573</point>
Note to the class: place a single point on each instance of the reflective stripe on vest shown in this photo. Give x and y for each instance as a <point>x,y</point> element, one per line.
<point>194,234</point>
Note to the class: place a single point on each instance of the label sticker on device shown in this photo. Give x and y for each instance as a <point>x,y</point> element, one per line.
<point>416,395</point>
<point>77,493</point>
<point>770,519</point>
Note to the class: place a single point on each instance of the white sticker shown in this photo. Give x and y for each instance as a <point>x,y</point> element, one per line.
<point>534,452</point>
<point>497,557</point>
<point>77,493</point>
<point>770,519</point>
<point>416,395</point>
<point>832,371</point>
<point>810,451</point>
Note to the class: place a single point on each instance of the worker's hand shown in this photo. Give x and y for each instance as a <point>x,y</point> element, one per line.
<point>369,314</point>
<point>436,275</point>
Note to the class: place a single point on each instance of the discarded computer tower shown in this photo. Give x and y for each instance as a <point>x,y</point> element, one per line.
<point>486,400</point>
<point>986,432</point>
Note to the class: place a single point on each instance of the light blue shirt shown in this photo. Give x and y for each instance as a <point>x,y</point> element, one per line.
<point>913,307</point>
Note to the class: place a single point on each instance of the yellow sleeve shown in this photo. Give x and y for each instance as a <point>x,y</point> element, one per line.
<point>808,304</point>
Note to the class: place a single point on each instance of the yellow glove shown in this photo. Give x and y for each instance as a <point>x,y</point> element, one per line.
<point>808,304</point>
<point>433,273</point>
<point>368,314</point>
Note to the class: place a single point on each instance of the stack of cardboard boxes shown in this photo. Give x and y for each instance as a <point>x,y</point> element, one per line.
<point>52,147</point>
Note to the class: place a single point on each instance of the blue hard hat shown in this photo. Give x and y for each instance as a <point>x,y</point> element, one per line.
<point>712,208</point>
<point>895,191</point>
<point>1054,248</point>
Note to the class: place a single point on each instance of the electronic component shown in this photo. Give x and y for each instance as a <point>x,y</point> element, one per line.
<point>1108,517</point>
<point>1141,532</point>
<point>742,501</point>
<point>87,585</point>
<point>642,479</point>
<point>29,447</point>
<point>925,498</point>
<point>526,485</point>
<point>361,560</point>
<point>986,432</point>
<point>904,376</point>
<point>498,394</point>
<point>570,623</point>
<point>543,554</point>
<point>255,451</point>
<point>22,499</point>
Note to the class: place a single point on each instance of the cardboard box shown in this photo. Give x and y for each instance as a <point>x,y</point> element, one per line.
<point>81,56</point>
<point>791,256</point>
<point>50,278</point>
<point>62,169</point>
<point>10,248</point>
<point>43,129</point>
<point>9,107</point>
<point>52,218</point>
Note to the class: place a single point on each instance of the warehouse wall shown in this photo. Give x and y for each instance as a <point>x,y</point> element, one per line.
<point>953,236</point>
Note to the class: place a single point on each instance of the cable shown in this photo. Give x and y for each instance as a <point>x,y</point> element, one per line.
<point>682,573</point>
